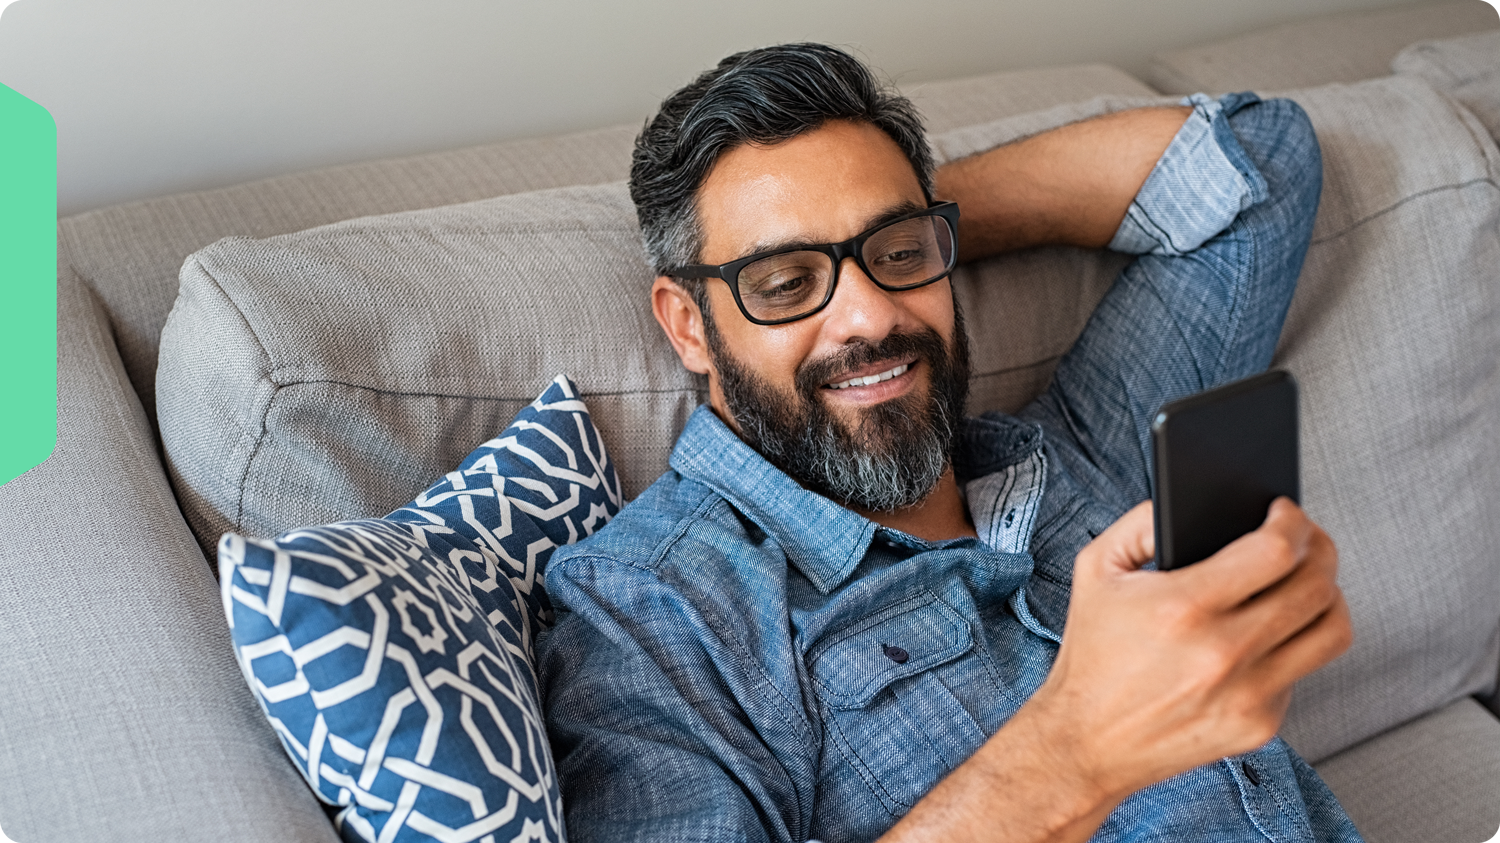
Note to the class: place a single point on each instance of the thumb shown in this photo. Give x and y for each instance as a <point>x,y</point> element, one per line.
<point>1128,544</point>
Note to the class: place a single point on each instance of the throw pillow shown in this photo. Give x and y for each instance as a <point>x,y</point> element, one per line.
<point>393,656</point>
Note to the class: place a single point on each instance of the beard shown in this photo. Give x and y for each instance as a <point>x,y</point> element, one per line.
<point>891,456</point>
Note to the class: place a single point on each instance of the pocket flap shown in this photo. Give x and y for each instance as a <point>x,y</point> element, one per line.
<point>859,661</point>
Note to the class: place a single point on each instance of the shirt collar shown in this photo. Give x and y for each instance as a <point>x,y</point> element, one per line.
<point>824,540</point>
<point>993,442</point>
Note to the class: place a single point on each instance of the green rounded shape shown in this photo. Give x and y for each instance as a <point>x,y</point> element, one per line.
<point>28,284</point>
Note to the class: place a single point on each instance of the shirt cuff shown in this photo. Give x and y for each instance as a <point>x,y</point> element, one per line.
<point>1196,190</point>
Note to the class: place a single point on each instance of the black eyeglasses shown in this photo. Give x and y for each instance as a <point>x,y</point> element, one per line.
<point>784,285</point>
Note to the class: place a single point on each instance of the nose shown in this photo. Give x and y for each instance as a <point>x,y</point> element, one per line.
<point>860,309</point>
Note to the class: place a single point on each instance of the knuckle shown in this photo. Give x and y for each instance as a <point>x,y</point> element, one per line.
<point>1343,631</point>
<point>1278,547</point>
<point>1324,592</point>
<point>1180,617</point>
<point>1324,546</point>
<point>1216,661</point>
<point>1344,641</point>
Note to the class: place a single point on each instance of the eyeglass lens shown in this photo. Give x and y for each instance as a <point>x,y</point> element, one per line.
<point>902,255</point>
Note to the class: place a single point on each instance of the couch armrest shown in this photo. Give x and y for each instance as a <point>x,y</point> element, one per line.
<point>123,714</point>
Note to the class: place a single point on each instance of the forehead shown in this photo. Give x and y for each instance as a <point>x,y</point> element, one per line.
<point>821,186</point>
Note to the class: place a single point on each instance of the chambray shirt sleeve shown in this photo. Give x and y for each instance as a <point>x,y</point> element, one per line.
<point>1220,227</point>
<point>649,741</point>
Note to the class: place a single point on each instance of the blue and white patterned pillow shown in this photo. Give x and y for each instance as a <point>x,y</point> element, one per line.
<point>393,656</point>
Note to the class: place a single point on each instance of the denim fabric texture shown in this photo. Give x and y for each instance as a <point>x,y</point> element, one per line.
<point>738,659</point>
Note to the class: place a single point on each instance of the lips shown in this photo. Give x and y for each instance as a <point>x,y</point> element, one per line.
<point>864,367</point>
<point>868,380</point>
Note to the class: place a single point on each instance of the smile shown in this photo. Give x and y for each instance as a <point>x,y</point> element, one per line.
<point>872,379</point>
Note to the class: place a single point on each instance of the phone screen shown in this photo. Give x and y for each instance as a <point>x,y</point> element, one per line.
<point>1221,457</point>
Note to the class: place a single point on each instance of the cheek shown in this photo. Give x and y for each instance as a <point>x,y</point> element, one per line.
<point>934,307</point>
<point>772,352</point>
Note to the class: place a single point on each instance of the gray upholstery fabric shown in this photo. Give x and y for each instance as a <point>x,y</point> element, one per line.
<point>1436,778</point>
<point>335,372</point>
<point>1337,48</point>
<point>1466,68</point>
<point>954,103</point>
<point>1392,335</point>
<point>130,254</point>
<point>123,715</point>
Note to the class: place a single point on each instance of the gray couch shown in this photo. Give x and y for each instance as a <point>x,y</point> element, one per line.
<point>123,714</point>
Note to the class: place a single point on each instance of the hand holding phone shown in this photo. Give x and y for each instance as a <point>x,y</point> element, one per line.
<point>1221,457</point>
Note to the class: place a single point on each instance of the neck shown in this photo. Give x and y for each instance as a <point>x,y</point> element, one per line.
<point>941,515</point>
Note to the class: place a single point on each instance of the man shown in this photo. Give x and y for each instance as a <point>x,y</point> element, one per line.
<point>847,612</point>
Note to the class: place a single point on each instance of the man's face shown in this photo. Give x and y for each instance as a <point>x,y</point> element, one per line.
<point>786,388</point>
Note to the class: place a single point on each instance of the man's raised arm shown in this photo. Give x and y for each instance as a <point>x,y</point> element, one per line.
<point>1068,186</point>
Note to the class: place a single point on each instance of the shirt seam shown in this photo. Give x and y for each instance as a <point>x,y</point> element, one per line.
<point>867,776</point>
<point>712,618</point>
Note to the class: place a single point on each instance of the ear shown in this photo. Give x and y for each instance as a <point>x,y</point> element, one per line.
<point>680,318</point>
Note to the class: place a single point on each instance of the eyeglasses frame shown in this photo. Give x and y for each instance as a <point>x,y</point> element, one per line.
<point>851,248</point>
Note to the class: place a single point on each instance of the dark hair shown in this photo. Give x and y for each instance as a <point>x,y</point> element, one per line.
<point>759,96</point>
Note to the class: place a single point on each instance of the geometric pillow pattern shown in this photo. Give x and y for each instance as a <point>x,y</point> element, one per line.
<point>393,656</point>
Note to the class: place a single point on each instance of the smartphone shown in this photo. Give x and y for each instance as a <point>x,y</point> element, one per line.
<point>1221,457</point>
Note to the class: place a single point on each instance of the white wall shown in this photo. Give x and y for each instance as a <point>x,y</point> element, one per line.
<point>157,96</point>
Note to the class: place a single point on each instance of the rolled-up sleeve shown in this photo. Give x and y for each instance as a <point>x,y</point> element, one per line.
<point>1194,192</point>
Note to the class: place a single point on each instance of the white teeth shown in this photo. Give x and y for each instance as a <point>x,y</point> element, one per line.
<point>877,378</point>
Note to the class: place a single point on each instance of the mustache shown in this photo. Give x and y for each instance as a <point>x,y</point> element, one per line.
<point>812,375</point>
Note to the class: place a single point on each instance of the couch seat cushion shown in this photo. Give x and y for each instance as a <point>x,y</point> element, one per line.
<point>1435,778</point>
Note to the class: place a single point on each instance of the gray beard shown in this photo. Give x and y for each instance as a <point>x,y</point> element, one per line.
<point>895,454</point>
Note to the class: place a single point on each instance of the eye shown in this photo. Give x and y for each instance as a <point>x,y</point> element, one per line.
<point>782,286</point>
<point>905,253</point>
<point>901,256</point>
<point>784,280</point>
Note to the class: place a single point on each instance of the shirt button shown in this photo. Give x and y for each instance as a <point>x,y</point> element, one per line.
<point>1250,773</point>
<point>896,654</point>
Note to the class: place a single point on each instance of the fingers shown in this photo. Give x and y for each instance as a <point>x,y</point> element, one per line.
<point>1282,611</point>
<point>1255,561</point>
<point>1126,545</point>
<point>1317,644</point>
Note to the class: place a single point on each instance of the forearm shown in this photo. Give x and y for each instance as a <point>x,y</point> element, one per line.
<point>1022,786</point>
<point>1068,186</point>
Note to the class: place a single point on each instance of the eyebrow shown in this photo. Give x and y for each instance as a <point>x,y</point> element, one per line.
<point>902,208</point>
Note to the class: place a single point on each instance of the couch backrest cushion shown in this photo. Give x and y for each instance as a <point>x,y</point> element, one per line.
<point>1344,47</point>
<point>130,254</point>
<point>1466,68</point>
<point>327,374</point>
<point>1392,336</point>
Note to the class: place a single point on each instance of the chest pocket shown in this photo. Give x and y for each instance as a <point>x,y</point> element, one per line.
<point>883,686</point>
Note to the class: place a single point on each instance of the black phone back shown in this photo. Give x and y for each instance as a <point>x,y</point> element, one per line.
<point>1221,457</point>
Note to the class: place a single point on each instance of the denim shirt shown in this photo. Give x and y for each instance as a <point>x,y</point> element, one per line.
<point>736,658</point>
